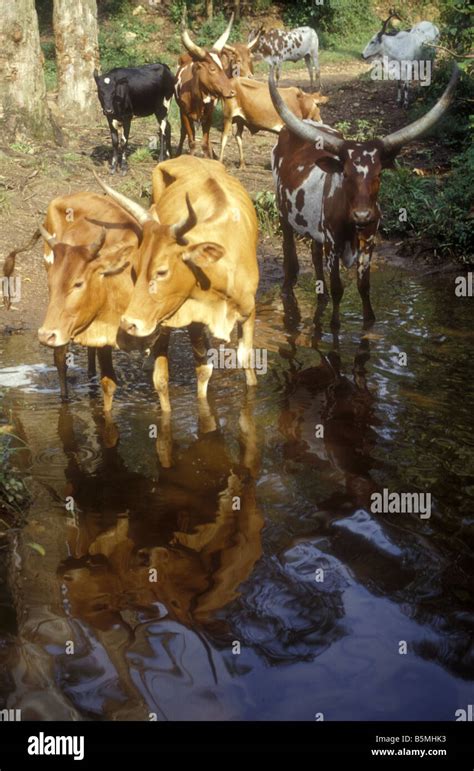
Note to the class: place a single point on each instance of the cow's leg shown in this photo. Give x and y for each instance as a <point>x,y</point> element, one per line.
<point>405,95</point>
<point>225,135</point>
<point>363,285</point>
<point>161,369</point>
<point>337,290</point>
<point>91,370</point>
<point>206,130</point>
<point>309,64</point>
<point>245,357</point>
<point>290,258</point>
<point>60,362</point>
<point>187,130</point>
<point>322,297</point>
<point>115,146</point>
<point>108,378</point>
<point>238,137</point>
<point>200,346</point>
<point>123,144</point>
<point>164,129</point>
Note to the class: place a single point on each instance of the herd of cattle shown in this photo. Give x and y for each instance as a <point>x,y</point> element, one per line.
<point>121,275</point>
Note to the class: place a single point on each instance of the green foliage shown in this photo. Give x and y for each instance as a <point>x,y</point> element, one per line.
<point>360,129</point>
<point>334,20</point>
<point>14,495</point>
<point>437,209</point>
<point>456,25</point>
<point>267,211</point>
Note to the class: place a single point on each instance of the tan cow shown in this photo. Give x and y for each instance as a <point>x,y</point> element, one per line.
<point>86,235</point>
<point>252,108</point>
<point>198,263</point>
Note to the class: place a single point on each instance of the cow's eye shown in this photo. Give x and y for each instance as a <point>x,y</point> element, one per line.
<point>78,284</point>
<point>162,273</point>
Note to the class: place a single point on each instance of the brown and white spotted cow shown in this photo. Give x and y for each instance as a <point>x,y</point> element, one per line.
<point>279,45</point>
<point>327,189</point>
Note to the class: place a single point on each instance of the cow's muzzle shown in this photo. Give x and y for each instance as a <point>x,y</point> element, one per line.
<point>50,337</point>
<point>362,217</point>
<point>135,327</point>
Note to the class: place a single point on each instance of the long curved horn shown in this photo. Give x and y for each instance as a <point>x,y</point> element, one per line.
<point>186,224</point>
<point>252,43</point>
<point>141,215</point>
<point>393,15</point>
<point>97,245</point>
<point>51,240</point>
<point>194,50</point>
<point>303,130</point>
<point>222,40</point>
<point>399,138</point>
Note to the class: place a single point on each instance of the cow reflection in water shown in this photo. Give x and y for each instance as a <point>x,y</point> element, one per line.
<point>175,546</point>
<point>327,421</point>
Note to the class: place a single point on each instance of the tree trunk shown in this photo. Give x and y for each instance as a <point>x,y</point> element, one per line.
<point>209,9</point>
<point>77,55</point>
<point>237,10</point>
<point>23,109</point>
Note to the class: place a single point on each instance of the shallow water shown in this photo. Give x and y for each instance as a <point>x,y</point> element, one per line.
<point>228,576</point>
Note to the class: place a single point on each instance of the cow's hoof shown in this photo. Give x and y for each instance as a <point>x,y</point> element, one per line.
<point>123,170</point>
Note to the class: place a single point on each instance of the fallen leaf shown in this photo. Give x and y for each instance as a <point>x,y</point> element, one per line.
<point>37,547</point>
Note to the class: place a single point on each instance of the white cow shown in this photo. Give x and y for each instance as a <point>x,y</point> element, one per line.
<point>404,47</point>
<point>279,45</point>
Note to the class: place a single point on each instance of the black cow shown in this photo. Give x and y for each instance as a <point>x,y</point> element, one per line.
<point>125,92</point>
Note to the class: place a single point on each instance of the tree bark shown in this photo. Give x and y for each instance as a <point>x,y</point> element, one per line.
<point>209,9</point>
<point>23,109</point>
<point>77,55</point>
<point>237,10</point>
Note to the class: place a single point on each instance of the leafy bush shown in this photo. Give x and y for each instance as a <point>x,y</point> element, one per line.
<point>437,209</point>
<point>267,211</point>
<point>335,19</point>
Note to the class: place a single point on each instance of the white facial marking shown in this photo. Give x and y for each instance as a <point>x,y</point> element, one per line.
<point>107,80</point>
<point>361,169</point>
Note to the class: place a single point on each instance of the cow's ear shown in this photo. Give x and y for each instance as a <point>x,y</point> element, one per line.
<point>203,255</point>
<point>330,165</point>
<point>319,99</point>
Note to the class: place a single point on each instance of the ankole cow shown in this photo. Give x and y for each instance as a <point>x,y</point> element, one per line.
<point>198,264</point>
<point>404,48</point>
<point>86,235</point>
<point>327,189</point>
<point>199,84</point>
<point>252,108</point>
<point>279,45</point>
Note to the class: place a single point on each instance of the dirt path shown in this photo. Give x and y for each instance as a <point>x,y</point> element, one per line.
<point>31,176</point>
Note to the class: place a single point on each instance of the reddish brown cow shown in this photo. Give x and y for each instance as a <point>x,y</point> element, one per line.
<point>199,83</point>
<point>327,189</point>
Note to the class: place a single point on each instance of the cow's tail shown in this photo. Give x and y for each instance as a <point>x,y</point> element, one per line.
<point>10,260</point>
